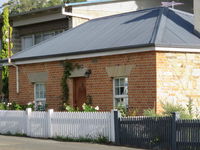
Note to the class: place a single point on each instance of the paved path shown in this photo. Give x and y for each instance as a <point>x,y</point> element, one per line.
<point>21,143</point>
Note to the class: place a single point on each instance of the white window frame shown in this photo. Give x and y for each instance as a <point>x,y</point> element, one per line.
<point>39,99</point>
<point>119,96</point>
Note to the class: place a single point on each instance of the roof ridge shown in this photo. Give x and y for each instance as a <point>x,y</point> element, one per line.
<point>157,25</point>
<point>161,26</point>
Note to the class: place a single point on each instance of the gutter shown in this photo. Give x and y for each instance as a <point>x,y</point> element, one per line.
<point>17,74</point>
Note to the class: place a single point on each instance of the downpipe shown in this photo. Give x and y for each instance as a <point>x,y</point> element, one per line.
<point>17,74</point>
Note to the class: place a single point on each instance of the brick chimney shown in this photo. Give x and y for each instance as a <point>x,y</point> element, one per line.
<point>197,16</point>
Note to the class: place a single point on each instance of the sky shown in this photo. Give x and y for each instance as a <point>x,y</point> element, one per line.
<point>2,1</point>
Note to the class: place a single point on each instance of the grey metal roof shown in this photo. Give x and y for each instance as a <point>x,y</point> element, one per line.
<point>156,26</point>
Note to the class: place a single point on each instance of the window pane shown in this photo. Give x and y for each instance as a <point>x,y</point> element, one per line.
<point>47,36</point>
<point>122,80</point>
<point>117,91</point>
<point>116,82</point>
<point>121,91</point>
<point>58,32</point>
<point>38,38</point>
<point>27,42</point>
<point>40,91</point>
<point>121,102</point>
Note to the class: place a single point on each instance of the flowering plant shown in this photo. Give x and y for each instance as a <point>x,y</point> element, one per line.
<point>89,108</point>
<point>85,107</point>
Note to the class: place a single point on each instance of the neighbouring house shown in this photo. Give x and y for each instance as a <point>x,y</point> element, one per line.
<point>30,28</point>
<point>137,59</point>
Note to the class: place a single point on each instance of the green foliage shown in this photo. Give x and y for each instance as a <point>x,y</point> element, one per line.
<point>73,1</point>
<point>99,139</point>
<point>189,106</point>
<point>70,108</point>
<point>169,108</point>
<point>150,113</point>
<point>6,34</point>
<point>89,108</point>
<point>122,109</point>
<point>15,106</point>
<point>68,68</point>
<point>18,6</point>
<point>15,134</point>
<point>3,106</point>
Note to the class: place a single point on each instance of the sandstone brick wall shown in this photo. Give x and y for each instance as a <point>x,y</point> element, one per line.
<point>178,79</point>
<point>142,81</point>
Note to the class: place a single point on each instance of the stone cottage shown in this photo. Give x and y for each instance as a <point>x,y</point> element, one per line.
<point>137,59</point>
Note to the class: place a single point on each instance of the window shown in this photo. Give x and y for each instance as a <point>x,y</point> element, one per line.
<point>120,93</point>
<point>48,35</point>
<point>40,96</point>
<point>30,40</point>
<point>27,41</point>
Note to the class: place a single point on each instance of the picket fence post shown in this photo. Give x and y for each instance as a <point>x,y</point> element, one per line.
<point>116,115</point>
<point>50,113</point>
<point>175,116</point>
<point>112,123</point>
<point>28,115</point>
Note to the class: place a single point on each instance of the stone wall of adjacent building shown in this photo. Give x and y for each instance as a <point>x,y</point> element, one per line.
<point>141,80</point>
<point>178,79</point>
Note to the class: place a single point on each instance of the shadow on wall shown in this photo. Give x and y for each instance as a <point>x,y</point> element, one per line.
<point>188,4</point>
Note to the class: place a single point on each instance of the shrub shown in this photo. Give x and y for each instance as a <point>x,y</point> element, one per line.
<point>122,109</point>
<point>3,106</point>
<point>168,109</point>
<point>150,113</point>
<point>85,107</point>
<point>89,108</point>
<point>15,106</point>
<point>70,108</point>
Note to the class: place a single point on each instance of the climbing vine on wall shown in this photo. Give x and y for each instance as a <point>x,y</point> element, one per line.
<point>68,68</point>
<point>6,34</point>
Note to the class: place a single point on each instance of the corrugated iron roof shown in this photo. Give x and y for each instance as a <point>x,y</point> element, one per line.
<point>156,26</point>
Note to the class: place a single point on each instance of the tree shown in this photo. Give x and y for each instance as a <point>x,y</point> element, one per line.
<point>18,6</point>
<point>7,34</point>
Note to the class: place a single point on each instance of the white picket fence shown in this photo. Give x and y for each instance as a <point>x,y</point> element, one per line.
<point>52,124</point>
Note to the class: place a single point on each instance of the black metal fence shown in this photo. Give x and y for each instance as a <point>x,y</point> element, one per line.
<point>161,133</point>
<point>188,134</point>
